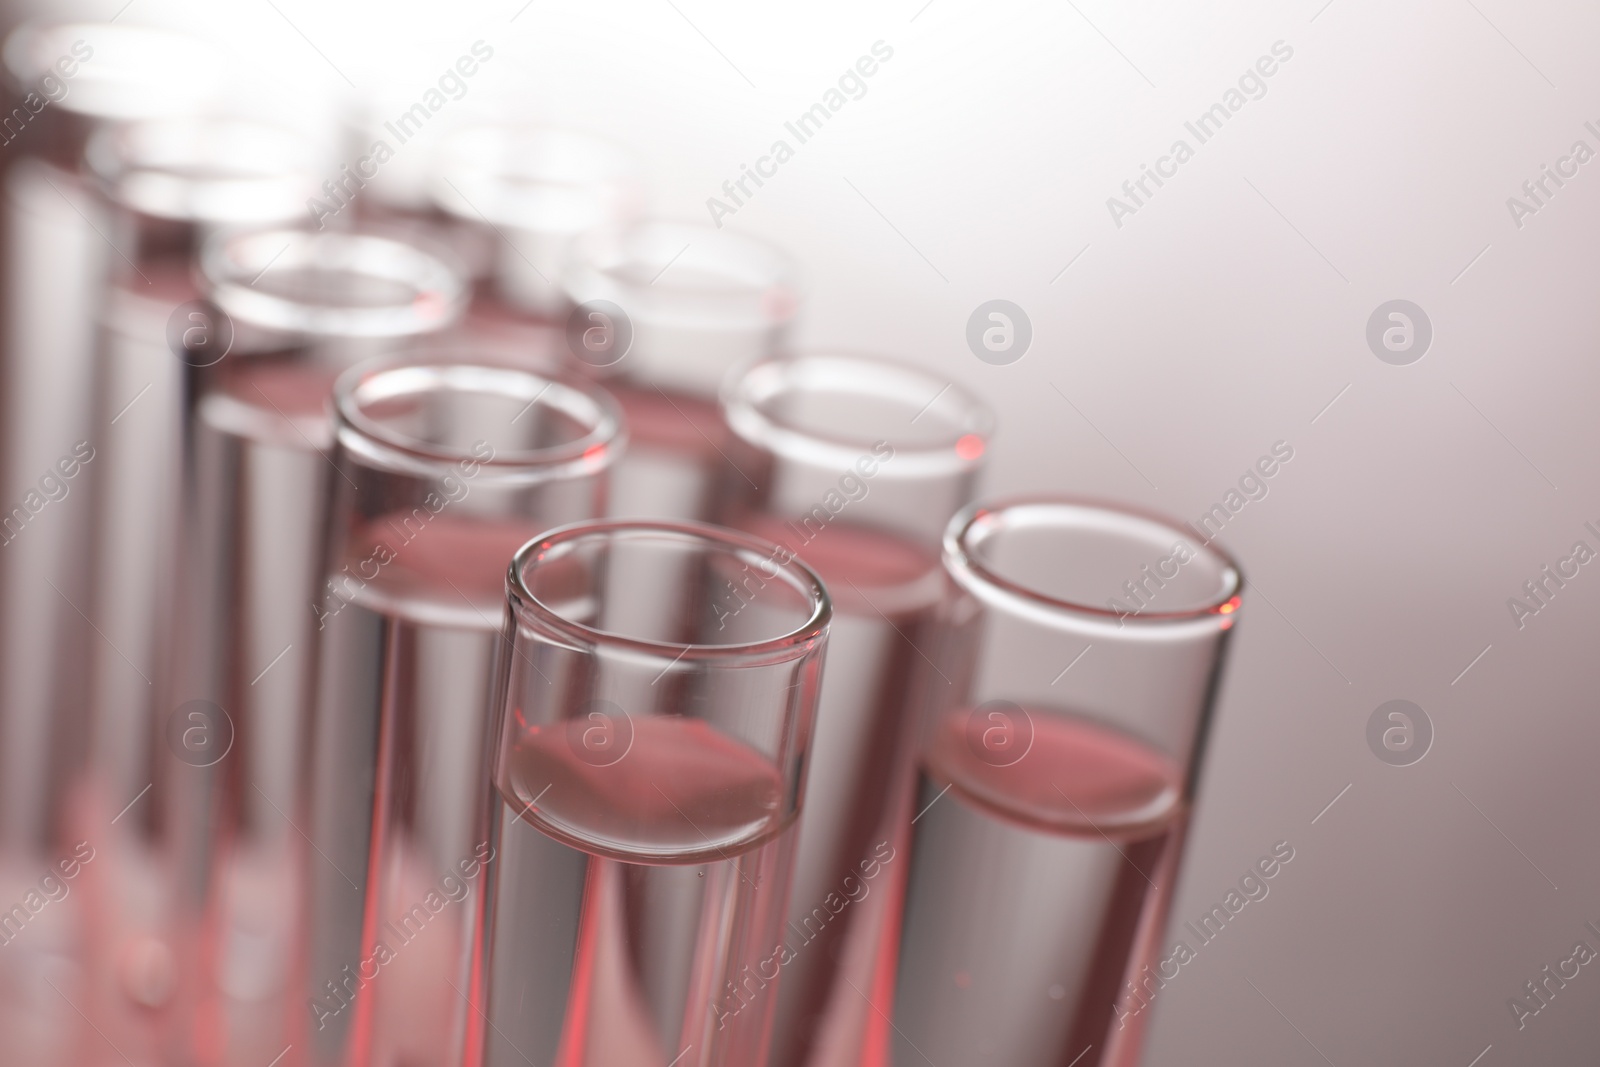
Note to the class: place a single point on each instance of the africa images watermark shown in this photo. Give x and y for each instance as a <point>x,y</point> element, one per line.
<point>352,178</point>
<point>343,588</point>
<point>1542,990</point>
<point>451,889</point>
<point>1399,732</point>
<point>742,992</point>
<point>1538,591</point>
<point>1142,588</point>
<point>51,88</point>
<point>53,888</point>
<point>851,488</point>
<point>1253,888</point>
<point>1252,487</point>
<point>54,485</point>
<point>1537,191</point>
<point>803,128</point>
<point>1252,85</point>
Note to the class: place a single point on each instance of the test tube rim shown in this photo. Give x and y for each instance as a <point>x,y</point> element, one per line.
<point>109,156</point>
<point>600,447</point>
<point>770,304</point>
<point>968,570</point>
<point>741,408</point>
<point>430,273</point>
<point>798,642</point>
<point>620,174</point>
<point>30,51</point>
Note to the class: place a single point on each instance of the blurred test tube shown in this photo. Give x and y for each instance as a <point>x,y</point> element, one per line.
<point>66,82</point>
<point>302,307</point>
<point>393,149</point>
<point>172,183</point>
<point>63,83</point>
<point>522,197</point>
<point>856,464</point>
<point>663,311</point>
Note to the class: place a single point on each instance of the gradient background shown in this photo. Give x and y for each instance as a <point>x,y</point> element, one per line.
<point>1172,352</point>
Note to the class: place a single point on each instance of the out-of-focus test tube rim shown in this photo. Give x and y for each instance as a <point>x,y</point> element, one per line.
<point>134,72</point>
<point>512,174</point>
<point>633,267</point>
<point>391,377</point>
<point>232,264</point>
<point>219,170</point>
<point>749,390</point>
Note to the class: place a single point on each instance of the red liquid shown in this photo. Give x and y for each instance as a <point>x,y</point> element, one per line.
<point>433,567</point>
<point>1037,888</point>
<point>1072,776</point>
<point>638,903</point>
<point>868,572</point>
<point>678,791</point>
<point>272,401</point>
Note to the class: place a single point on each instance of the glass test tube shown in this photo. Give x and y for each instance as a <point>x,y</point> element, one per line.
<point>522,196</point>
<point>856,464</point>
<point>445,469</point>
<point>668,309</point>
<point>393,157</point>
<point>648,784</point>
<point>302,308</point>
<point>54,276</point>
<point>171,183</point>
<point>62,82</point>
<point>1070,696</point>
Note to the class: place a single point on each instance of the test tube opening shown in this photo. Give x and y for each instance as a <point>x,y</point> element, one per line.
<point>447,410</point>
<point>828,407</point>
<point>791,607</point>
<point>353,285</point>
<point>537,180</point>
<point>219,170</point>
<point>688,276</point>
<point>1080,558</point>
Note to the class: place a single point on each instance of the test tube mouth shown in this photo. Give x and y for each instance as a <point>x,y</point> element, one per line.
<point>533,179</point>
<point>1096,561</point>
<point>827,407</point>
<point>422,411</point>
<point>216,170</point>
<point>805,613</point>
<point>118,72</point>
<point>335,284</point>
<point>686,275</point>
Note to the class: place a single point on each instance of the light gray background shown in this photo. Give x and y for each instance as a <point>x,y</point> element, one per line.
<point>1172,352</point>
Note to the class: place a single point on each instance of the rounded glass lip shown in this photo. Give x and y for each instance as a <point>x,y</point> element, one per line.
<point>501,170</point>
<point>969,522</point>
<point>231,263</point>
<point>765,293</point>
<point>800,577</point>
<point>750,386</point>
<point>137,71</point>
<point>387,377</point>
<point>206,168</point>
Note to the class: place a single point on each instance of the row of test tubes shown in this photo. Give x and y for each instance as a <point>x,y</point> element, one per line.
<point>460,630</point>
